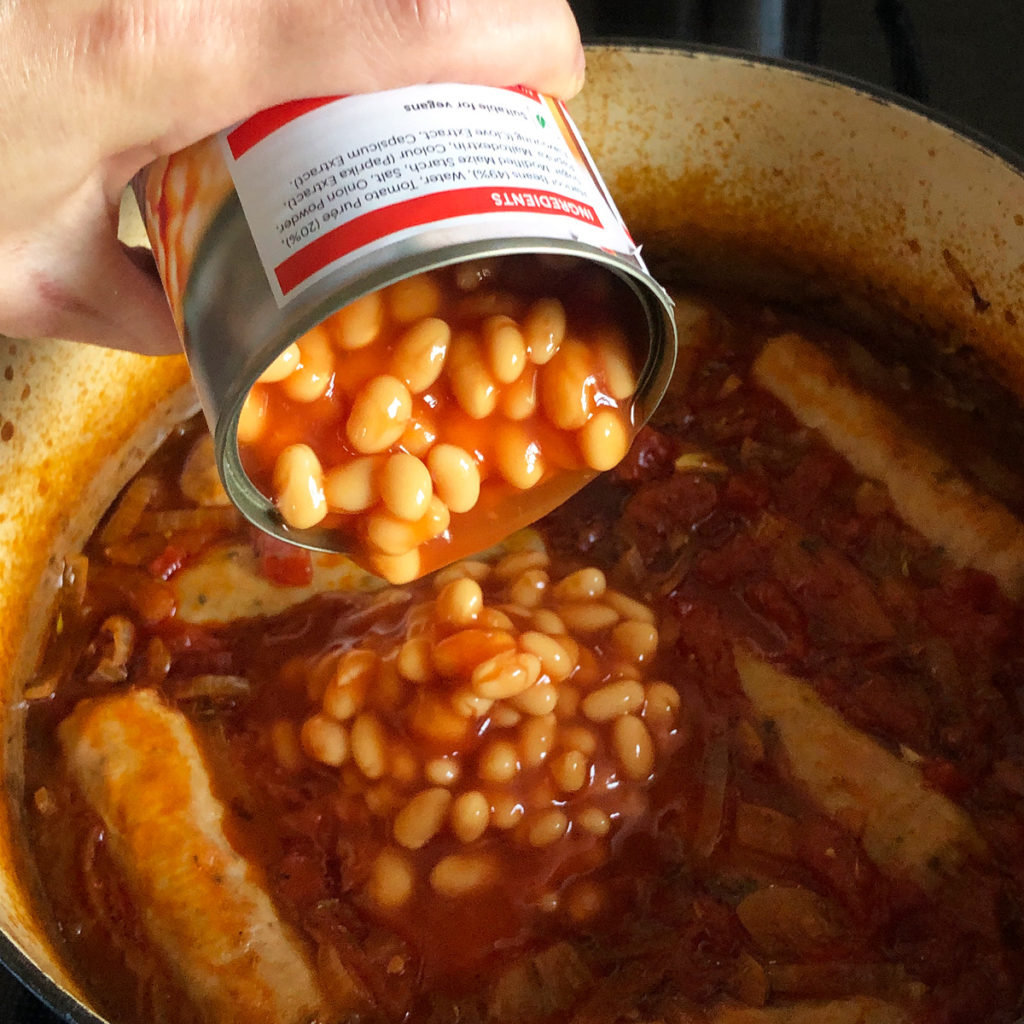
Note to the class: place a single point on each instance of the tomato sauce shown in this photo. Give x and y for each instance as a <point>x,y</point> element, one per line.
<point>722,882</point>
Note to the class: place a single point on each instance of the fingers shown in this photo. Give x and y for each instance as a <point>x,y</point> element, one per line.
<point>82,283</point>
<point>186,77</point>
<point>94,90</point>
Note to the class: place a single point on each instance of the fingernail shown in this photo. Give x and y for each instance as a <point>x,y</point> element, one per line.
<point>579,72</point>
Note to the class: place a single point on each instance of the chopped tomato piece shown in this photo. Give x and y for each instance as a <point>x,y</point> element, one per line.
<point>283,563</point>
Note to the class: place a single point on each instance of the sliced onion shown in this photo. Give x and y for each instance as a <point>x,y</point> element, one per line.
<point>714,779</point>
<point>213,687</point>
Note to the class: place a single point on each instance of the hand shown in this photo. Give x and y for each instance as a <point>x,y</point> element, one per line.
<point>92,90</point>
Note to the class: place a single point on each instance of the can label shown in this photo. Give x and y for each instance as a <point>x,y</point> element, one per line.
<point>326,182</point>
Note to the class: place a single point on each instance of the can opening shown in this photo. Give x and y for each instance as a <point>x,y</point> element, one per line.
<point>428,419</point>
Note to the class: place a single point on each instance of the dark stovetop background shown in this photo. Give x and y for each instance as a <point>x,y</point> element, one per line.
<point>962,57</point>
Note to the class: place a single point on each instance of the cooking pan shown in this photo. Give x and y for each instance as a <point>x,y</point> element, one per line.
<point>727,169</point>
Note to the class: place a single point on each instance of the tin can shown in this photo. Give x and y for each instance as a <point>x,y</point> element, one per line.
<point>264,231</point>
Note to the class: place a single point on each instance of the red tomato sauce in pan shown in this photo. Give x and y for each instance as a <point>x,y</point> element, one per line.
<point>699,869</point>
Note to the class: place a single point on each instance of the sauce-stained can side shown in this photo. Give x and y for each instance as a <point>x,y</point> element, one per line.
<point>264,231</point>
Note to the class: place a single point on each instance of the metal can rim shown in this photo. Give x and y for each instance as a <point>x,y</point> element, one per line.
<point>655,304</point>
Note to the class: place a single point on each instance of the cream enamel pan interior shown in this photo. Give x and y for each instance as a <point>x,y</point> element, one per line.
<point>728,165</point>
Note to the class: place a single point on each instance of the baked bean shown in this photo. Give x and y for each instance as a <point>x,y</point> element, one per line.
<point>554,657</point>
<point>589,671</point>
<point>460,653</point>
<point>594,821</point>
<point>369,745</point>
<point>252,419</point>
<point>520,617</point>
<point>413,660</point>
<point>569,770</point>
<point>413,298</point>
<point>488,302</point>
<point>505,348</point>
<point>494,618</point>
<point>567,385</point>
<point>613,359</point>
<point>625,670</point>
<point>661,704</point>
<point>472,384</point>
<point>390,535</point>
<point>442,771</point>
<point>498,762</point>
<point>282,365</point>
<point>459,603</point>
<point>628,607</point>
<point>549,622</point>
<point>471,274</point>
<point>547,828</point>
<point>466,569</point>
<point>512,565</point>
<point>379,415</point>
<point>299,486</point>
<point>456,476</point>
<point>420,434</point>
<point>582,585</point>
<point>324,739</point>
<point>437,519</point>
<point>470,815</point>
<point>506,811</point>
<point>358,324</point>
<point>397,569</point>
<point>405,487</point>
<point>548,903</point>
<point>544,329</point>
<point>505,674</point>
<point>311,378</point>
<point>635,641</point>
<point>568,701</point>
<point>634,747</point>
<point>352,486</point>
<point>518,457</point>
<point>588,616</point>
<point>578,737</point>
<point>470,704</point>
<point>519,400</point>
<point>382,799</point>
<point>539,699</point>
<point>459,874</point>
<point>421,818</point>
<point>504,716</point>
<point>529,589</point>
<point>570,645</point>
<point>584,900</point>
<point>391,880</point>
<point>536,739</point>
<point>420,354</point>
<point>604,440</point>
<point>316,676</point>
<point>285,745</point>
<point>613,700</point>
<point>405,766</point>
<point>433,719</point>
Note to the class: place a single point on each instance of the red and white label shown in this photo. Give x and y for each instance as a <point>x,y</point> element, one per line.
<point>325,182</point>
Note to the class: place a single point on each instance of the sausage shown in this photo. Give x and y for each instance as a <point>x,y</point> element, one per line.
<point>909,830</point>
<point>927,491</point>
<point>139,767</point>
